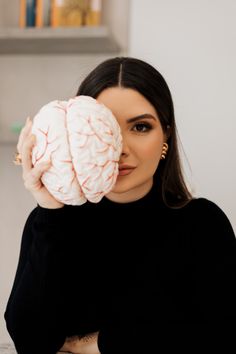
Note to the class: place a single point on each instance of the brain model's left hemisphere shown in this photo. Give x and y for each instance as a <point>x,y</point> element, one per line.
<point>82,139</point>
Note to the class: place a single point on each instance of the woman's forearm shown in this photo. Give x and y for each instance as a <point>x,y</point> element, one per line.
<point>85,345</point>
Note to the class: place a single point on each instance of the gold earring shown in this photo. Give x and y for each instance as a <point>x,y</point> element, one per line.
<point>164,151</point>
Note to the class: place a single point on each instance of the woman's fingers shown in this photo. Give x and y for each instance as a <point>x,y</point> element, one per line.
<point>25,131</point>
<point>32,174</point>
<point>26,154</point>
<point>33,178</point>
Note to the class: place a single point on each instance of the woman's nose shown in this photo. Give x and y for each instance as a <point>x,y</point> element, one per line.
<point>125,147</point>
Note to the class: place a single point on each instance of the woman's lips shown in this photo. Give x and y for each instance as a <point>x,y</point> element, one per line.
<point>125,171</point>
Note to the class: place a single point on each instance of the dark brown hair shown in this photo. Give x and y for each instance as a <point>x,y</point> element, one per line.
<point>136,74</point>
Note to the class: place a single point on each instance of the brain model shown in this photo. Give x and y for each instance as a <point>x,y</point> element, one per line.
<point>82,139</point>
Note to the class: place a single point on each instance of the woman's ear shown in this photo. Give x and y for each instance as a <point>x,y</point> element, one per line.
<point>167,132</point>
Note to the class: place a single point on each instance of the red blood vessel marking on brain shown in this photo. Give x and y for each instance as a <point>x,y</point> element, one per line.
<point>82,139</point>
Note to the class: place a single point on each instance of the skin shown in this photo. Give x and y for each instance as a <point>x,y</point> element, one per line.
<point>85,345</point>
<point>32,175</point>
<point>143,140</point>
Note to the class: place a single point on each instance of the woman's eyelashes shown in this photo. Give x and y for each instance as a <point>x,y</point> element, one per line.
<point>141,127</point>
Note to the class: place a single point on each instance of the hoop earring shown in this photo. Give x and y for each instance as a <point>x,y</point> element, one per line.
<point>164,151</point>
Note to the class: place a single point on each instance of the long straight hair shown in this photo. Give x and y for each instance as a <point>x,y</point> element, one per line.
<point>136,74</point>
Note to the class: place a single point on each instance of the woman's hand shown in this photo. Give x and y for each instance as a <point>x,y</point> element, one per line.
<point>32,175</point>
<point>84,345</point>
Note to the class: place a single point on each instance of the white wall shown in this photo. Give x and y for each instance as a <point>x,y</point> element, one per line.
<point>193,44</point>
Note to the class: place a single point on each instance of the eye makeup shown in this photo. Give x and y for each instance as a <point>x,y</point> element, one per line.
<point>142,127</point>
<point>141,116</point>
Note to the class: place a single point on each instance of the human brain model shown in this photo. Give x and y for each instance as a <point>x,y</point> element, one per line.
<point>82,139</point>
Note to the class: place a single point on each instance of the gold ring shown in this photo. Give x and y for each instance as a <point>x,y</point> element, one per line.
<point>17,160</point>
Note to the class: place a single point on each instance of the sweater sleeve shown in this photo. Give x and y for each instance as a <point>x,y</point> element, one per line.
<point>211,308</point>
<point>31,315</point>
<point>215,266</point>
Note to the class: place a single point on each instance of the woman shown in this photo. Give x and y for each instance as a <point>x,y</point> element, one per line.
<point>164,261</point>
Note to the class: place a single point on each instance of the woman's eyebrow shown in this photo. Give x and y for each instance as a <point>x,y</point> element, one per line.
<point>141,116</point>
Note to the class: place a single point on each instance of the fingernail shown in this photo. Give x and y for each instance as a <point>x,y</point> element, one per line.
<point>47,164</point>
<point>33,140</point>
<point>27,120</point>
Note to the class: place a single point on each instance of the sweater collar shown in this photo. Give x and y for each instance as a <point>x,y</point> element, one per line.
<point>151,199</point>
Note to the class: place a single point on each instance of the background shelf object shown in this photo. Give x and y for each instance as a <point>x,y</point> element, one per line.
<point>93,39</point>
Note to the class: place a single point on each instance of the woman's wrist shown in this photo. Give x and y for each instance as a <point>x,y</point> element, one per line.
<point>49,206</point>
<point>83,345</point>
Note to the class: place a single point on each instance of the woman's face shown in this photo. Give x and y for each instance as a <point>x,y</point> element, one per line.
<point>143,140</point>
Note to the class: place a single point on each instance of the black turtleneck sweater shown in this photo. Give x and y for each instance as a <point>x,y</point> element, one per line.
<point>147,277</point>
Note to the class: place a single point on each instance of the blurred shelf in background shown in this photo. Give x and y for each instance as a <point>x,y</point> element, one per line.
<point>47,40</point>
